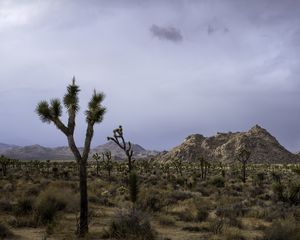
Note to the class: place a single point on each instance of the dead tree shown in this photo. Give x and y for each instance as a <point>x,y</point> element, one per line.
<point>51,113</point>
<point>127,148</point>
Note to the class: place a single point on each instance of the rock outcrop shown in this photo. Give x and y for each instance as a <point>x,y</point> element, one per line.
<point>223,147</point>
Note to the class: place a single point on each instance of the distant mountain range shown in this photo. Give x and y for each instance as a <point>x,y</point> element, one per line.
<point>223,147</point>
<point>37,152</point>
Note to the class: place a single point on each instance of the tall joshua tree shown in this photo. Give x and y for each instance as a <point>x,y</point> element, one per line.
<point>51,113</point>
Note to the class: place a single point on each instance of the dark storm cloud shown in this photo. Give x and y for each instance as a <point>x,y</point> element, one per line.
<point>166,33</point>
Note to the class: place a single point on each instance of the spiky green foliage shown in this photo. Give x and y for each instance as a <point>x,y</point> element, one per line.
<point>71,100</point>
<point>48,113</point>
<point>44,112</point>
<point>55,108</point>
<point>95,111</point>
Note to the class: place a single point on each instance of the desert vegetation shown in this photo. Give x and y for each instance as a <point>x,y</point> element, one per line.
<point>40,200</point>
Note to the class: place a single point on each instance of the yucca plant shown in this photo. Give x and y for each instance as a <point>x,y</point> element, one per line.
<point>51,112</point>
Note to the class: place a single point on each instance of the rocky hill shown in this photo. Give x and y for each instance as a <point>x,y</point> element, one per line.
<point>63,153</point>
<point>224,146</point>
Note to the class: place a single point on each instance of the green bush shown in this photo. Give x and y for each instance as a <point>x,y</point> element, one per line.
<point>218,181</point>
<point>278,190</point>
<point>294,193</point>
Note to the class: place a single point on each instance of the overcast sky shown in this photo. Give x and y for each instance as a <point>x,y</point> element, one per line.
<point>168,68</point>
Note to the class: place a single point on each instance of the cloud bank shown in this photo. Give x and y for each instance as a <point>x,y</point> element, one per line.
<point>159,91</point>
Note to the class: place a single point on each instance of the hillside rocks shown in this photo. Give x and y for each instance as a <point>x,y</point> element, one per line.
<point>224,146</point>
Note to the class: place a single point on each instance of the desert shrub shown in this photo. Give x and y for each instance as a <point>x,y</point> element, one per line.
<point>287,229</point>
<point>166,220</point>
<point>5,205</point>
<point>51,201</point>
<point>233,234</point>
<point>23,221</point>
<point>131,225</point>
<point>47,209</point>
<point>24,205</point>
<point>8,187</point>
<point>259,178</point>
<point>33,190</point>
<point>231,210</point>
<point>151,200</point>
<point>216,225</point>
<point>192,228</point>
<point>202,214</point>
<point>278,190</point>
<point>293,194</point>
<point>177,195</point>
<point>4,231</point>
<point>185,215</point>
<point>218,181</point>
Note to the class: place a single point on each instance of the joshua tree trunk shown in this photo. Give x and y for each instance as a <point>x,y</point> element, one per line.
<point>244,172</point>
<point>83,224</point>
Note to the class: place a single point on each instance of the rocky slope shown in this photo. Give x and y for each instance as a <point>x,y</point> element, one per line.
<point>224,146</point>
<point>63,153</point>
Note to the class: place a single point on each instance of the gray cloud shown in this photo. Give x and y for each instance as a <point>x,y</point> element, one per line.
<point>166,33</point>
<point>217,82</point>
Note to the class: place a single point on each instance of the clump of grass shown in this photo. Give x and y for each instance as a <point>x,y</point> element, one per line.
<point>233,234</point>
<point>24,206</point>
<point>166,220</point>
<point>131,225</point>
<point>50,202</point>
<point>287,229</point>
<point>5,233</point>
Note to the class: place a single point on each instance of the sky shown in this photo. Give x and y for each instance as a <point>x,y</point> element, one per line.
<point>168,68</point>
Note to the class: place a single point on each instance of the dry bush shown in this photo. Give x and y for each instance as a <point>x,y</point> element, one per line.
<point>52,200</point>
<point>5,233</point>
<point>5,205</point>
<point>233,234</point>
<point>166,220</point>
<point>287,229</point>
<point>131,225</point>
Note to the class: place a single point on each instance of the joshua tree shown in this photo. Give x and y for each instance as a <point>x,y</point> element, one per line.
<point>204,167</point>
<point>97,158</point>
<point>108,164</point>
<point>51,113</point>
<point>4,162</point>
<point>118,136</point>
<point>243,157</point>
<point>178,164</point>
